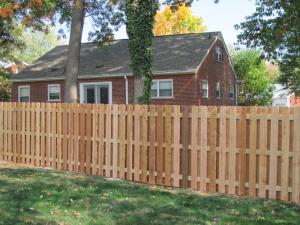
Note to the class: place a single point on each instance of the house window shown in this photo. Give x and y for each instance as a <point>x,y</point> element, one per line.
<point>24,93</point>
<point>231,92</point>
<point>204,89</point>
<point>218,90</point>
<point>219,54</point>
<point>53,92</point>
<point>162,89</point>
<point>99,93</point>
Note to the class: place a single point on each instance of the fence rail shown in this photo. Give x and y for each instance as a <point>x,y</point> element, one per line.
<point>236,150</point>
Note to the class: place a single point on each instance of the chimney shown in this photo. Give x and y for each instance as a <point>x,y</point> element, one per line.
<point>14,68</point>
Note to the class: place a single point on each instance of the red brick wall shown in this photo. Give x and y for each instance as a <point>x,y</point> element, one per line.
<point>213,71</point>
<point>186,88</point>
<point>295,101</point>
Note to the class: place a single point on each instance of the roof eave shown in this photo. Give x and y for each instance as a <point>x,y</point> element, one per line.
<point>83,77</point>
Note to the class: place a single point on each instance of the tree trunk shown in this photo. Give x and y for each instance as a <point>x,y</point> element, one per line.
<point>138,89</point>
<point>72,66</point>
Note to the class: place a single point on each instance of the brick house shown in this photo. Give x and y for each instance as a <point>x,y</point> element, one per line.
<point>283,97</point>
<point>190,69</point>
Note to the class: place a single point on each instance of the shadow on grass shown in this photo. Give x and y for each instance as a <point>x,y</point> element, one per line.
<point>36,196</point>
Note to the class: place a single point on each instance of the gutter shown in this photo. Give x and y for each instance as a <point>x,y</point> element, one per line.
<point>126,89</point>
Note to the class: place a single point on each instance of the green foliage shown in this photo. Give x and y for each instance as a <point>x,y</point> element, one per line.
<point>140,22</point>
<point>275,29</point>
<point>257,87</point>
<point>36,43</point>
<point>290,65</point>
<point>5,85</point>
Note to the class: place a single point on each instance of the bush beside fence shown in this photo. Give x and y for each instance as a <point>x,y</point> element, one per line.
<point>235,150</point>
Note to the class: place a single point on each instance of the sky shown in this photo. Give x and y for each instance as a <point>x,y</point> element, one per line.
<point>217,17</point>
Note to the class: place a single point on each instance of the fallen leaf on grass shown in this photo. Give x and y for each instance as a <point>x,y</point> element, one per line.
<point>77,215</point>
<point>106,194</point>
<point>26,220</point>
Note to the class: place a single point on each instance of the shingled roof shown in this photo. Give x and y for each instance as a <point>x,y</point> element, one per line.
<point>171,54</point>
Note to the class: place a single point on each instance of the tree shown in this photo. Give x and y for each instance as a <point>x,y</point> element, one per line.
<point>177,22</point>
<point>5,85</point>
<point>72,66</point>
<point>36,44</point>
<point>251,69</point>
<point>275,29</point>
<point>105,16</point>
<point>140,22</point>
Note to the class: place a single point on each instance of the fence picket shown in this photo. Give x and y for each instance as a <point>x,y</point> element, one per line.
<point>152,157</point>
<point>101,148</point>
<point>185,146</point>
<point>273,154</point>
<point>194,146</point>
<point>129,155</point>
<point>263,154</point>
<point>122,152</point>
<point>242,151</point>
<point>159,150</point>
<point>252,157</point>
<point>296,161</point>
<point>232,151</point>
<point>222,153</point>
<point>285,155</point>
<point>144,147</point>
<point>212,162</point>
<point>176,149</point>
<point>203,150</point>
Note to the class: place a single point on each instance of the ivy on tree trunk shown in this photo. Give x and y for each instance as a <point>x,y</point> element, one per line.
<point>140,22</point>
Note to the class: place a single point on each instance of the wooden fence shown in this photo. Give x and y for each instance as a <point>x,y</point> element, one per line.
<point>236,150</point>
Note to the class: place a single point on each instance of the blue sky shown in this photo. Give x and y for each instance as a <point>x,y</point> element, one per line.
<point>217,17</point>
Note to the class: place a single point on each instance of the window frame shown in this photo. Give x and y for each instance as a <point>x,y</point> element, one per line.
<point>158,89</point>
<point>207,89</point>
<point>19,92</point>
<point>54,100</point>
<point>219,55</point>
<point>218,84</point>
<point>104,83</point>
<point>233,93</point>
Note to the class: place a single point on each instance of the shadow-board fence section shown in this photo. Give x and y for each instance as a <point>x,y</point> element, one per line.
<point>236,150</point>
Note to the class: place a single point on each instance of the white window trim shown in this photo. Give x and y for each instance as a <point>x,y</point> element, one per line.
<point>54,100</point>
<point>81,90</point>
<point>163,97</point>
<point>218,97</point>
<point>207,94</point>
<point>19,91</point>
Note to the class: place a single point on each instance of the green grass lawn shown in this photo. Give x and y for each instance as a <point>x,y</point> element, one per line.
<point>38,196</point>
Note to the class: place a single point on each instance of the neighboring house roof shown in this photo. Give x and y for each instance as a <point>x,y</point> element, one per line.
<point>281,91</point>
<point>172,54</point>
<point>14,67</point>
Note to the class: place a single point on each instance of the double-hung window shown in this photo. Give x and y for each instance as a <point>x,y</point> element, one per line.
<point>204,89</point>
<point>231,92</point>
<point>219,54</point>
<point>24,93</point>
<point>53,92</point>
<point>162,89</point>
